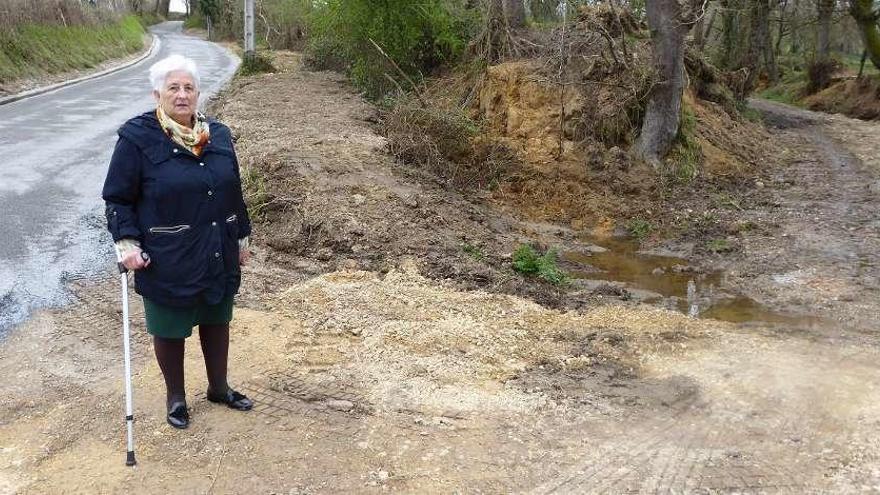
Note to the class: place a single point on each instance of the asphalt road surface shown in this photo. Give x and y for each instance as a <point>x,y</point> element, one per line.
<point>54,151</point>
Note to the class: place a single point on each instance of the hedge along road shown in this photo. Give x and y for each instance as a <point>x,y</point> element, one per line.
<point>54,150</point>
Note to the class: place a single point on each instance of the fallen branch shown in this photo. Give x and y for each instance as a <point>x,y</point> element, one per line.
<point>401,72</point>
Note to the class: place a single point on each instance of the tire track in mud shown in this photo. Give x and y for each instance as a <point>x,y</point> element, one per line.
<point>826,257</point>
<point>96,317</point>
<point>686,453</point>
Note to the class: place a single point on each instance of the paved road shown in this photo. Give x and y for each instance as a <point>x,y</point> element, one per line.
<point>54,151</point>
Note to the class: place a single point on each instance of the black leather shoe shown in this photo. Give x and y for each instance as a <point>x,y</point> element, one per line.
<point>232,399</point>
<point>178,415</point>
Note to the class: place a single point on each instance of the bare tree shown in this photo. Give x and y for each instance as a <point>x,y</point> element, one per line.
<point>670,21</point>
<point>825,10</point>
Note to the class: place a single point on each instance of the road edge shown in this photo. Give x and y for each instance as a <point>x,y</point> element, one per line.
<point>154,47</point>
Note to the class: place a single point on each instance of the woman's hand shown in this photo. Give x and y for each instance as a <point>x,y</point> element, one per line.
<point>133,260</point>
<point>243,256</point>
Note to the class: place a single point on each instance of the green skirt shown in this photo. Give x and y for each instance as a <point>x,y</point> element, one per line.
<point>177,323</point>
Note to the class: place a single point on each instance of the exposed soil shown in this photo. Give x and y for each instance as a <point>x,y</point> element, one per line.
<point>384,356</point>
<point>855,97</point>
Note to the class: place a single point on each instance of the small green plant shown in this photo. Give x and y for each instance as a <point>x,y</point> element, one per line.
<point>528,261</point>
<point>719,246</point>
<point>473,251</point>
<point>705,220</point>
<point>752,115</point>
<point>746,226</point>
<point>639,228</point>
<point>255,194</point>
<point>725,200</point>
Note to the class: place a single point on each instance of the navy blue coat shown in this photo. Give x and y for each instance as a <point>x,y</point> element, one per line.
<point>187,212</point>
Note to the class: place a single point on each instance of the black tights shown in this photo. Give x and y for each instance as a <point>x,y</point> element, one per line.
<point>215,348</point>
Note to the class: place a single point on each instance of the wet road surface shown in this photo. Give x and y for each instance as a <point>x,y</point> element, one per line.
<point>54,151</point>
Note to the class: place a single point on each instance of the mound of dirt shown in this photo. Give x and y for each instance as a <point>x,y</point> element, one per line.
<point>853,97</point>
<point>410,344</point>
<point>571,108</point>
<point>572,141</point>
<point>325,194</point>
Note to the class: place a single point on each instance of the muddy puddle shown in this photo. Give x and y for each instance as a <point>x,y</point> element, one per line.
<point>673,282</point>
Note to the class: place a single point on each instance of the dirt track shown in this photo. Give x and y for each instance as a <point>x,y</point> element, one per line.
<point>385,381</point>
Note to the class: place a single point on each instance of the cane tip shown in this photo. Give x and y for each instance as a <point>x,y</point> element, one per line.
<point>129,459</point>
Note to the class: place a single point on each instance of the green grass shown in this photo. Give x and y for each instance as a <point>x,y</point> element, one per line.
<point>528,261</point>
<point>686,154</point>
<point>196,20</point>
<point>852,61</point>
<point>790,89</point>
<point>34,50</point>
<point>473,251</point>
<point>147,19</point>
<point>639,228</point>
<point>255,194</point>
<point>719,246</point>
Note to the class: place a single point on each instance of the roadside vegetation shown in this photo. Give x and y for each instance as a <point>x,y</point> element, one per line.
<point>36,42</point>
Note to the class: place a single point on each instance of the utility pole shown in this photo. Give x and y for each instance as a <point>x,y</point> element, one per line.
<point>249,30</point>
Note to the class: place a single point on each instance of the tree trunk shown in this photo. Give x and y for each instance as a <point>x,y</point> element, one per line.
<point>730,34</point>
<point>162,7</point>
<point>670,22</point>
<point>703,29</point>
<point>863,12</point>
<point>823,40</point>
<point>760,45</point>
<point>795,32</point>
<point>781,31</point>
<point>515,13</point>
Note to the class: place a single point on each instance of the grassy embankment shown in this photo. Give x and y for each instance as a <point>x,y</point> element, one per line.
<point>33,50</point>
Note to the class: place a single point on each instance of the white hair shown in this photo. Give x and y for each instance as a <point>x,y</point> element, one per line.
<point>172,63</point>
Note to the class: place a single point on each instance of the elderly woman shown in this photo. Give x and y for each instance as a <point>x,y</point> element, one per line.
<point>173,190</point>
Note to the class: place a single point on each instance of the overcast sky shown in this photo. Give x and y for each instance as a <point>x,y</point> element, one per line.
<point>177,6</point>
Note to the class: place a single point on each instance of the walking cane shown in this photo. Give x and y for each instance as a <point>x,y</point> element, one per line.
<point>126,344</point>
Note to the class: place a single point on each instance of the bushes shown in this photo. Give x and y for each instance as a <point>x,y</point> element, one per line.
<point>418,37</point>
<point>30,49</point>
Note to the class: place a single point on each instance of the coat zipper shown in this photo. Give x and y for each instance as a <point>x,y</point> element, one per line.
<point>169,230</point>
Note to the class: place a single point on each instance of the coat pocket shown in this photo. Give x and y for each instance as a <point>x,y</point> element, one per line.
<point>175,229</point>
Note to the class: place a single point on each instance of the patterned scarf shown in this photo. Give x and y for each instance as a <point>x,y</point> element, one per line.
<point>192,139</point>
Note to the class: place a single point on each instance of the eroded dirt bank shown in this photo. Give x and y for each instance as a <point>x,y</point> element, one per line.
<point>385,358</point>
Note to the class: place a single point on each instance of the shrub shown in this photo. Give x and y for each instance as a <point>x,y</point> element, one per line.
<point>528,261</point>
<point>417,36</point>
<point>256,64</point>
<point>819,74</point>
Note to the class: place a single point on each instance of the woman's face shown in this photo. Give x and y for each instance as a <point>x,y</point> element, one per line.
<point>178,97</point>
